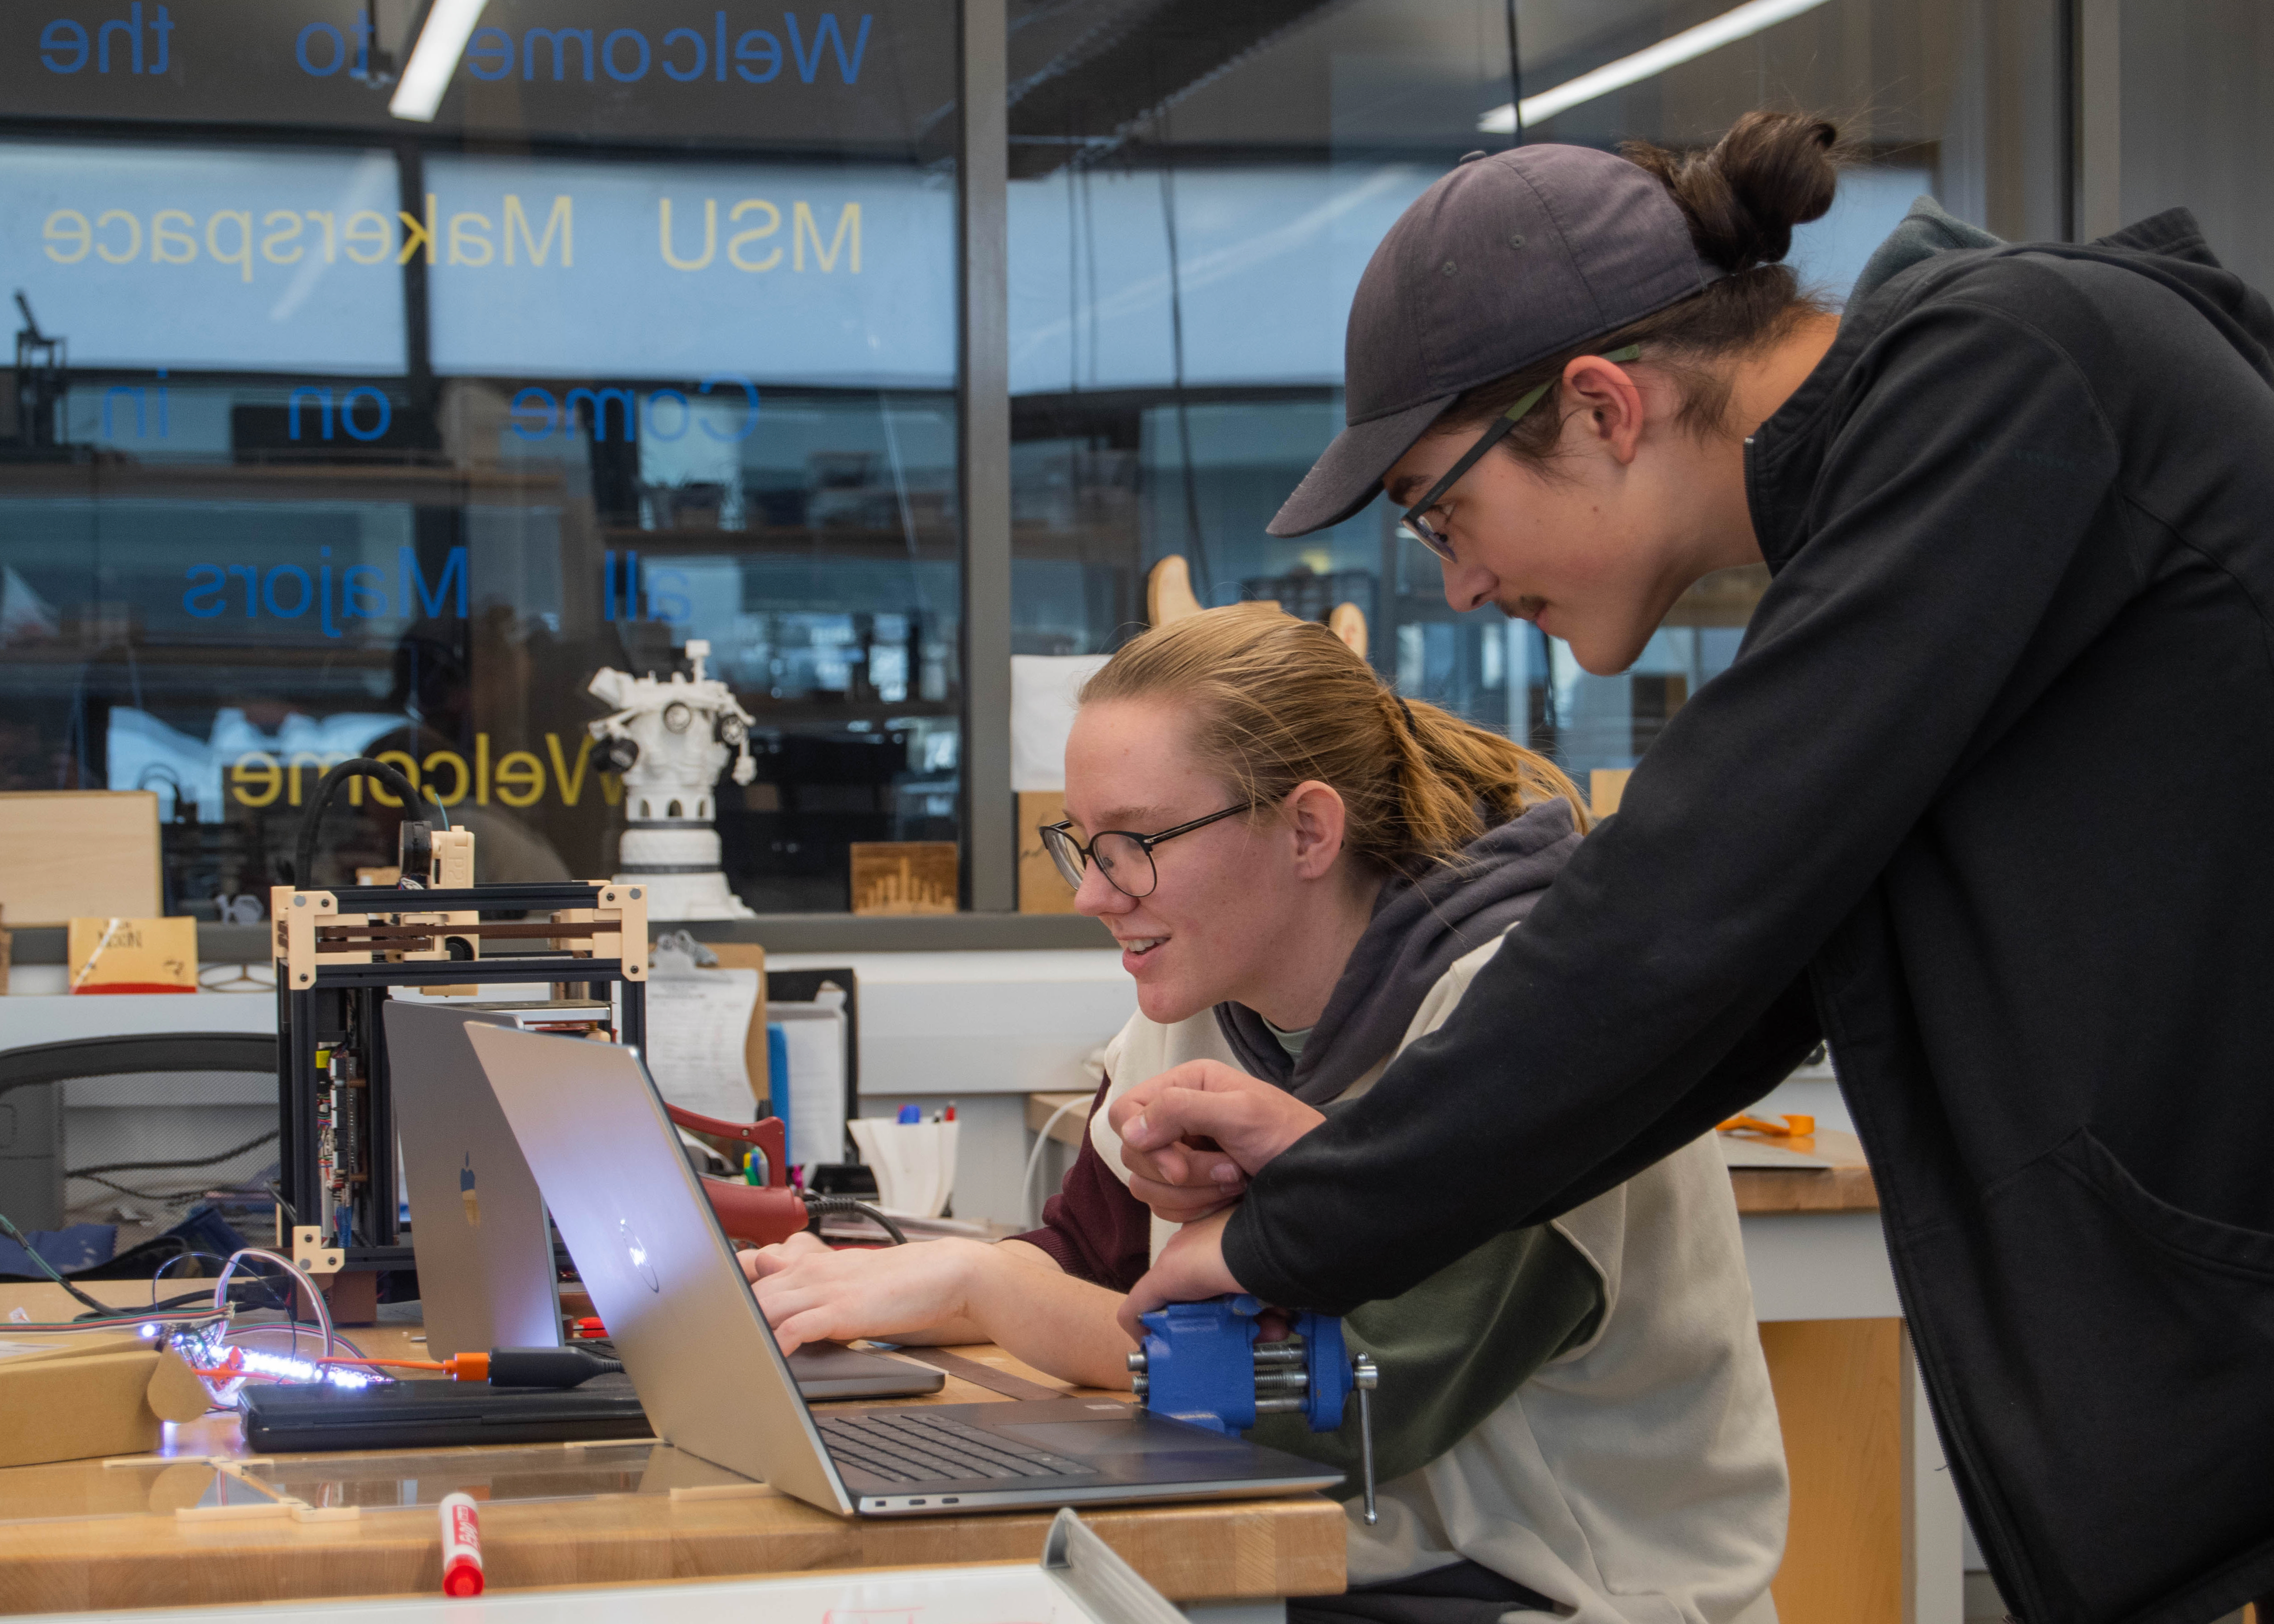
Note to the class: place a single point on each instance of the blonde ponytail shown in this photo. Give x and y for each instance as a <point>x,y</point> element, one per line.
<point>1277,701</point>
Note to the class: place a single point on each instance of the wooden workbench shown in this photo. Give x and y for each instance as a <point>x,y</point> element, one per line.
<point>81,1536</point>
<point>1874,1535</point>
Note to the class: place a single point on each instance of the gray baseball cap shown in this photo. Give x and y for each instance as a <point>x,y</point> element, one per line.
<point>1513,257</point>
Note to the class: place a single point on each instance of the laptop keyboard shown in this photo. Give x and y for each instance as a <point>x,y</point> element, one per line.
<point>908,1446</point>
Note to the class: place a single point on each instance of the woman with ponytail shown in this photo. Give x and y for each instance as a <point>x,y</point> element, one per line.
<point>2017,507</point>
<point>1306,871</point>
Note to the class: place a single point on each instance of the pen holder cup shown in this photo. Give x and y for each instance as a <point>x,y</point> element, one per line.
<point>914,1163</point>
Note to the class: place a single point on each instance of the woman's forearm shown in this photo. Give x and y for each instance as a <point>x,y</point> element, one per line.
<point>1023,1302</point>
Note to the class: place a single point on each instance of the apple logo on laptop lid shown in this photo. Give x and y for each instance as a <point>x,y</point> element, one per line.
<point>637,1251</point>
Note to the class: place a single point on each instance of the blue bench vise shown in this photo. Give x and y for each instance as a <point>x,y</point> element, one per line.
<point>1202,1363</point>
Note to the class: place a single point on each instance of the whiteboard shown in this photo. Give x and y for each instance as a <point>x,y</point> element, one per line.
<point>1023,1594</point>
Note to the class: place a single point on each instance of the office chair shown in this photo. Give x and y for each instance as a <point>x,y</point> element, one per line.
<point>32,1170</point>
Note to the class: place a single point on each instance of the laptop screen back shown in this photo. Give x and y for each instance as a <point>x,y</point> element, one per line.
<point>658,1269</point>
<point>486,1275</point>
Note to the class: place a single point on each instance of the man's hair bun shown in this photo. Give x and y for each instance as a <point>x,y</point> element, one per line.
<point>1742,197</point>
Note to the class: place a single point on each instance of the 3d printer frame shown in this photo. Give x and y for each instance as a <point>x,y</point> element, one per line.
<point>337,951</point>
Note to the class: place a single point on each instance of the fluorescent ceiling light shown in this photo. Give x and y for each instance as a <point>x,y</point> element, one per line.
<point>1749,19</point>
<point>434,58</point>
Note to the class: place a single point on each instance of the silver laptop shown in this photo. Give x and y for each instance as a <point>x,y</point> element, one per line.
<point>485,1273</point>
<point>478,1224</point>
<point>712,1381</point>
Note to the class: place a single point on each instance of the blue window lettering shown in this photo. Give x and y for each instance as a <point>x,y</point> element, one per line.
<point>213,586</point>
<point>808,66</point>
<point>608,55</point>
<point>597,403</point>
<point>133,32</point>
<point>348,415</point>
<point>759,46</point>
<point>750,398</point>
<point>363,602</point>
<point>60,36</point>
<point>268,591</point>
<point>489,54</point>
<point>314,31</point>
<point>414,580</point>
<point>701,56</point>
<point>323,399</point>
<point>560,39</point>
<point>539,405</point>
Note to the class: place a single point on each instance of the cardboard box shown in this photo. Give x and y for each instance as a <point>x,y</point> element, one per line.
<point>133,955</point>
<point>70,852</point>
<point>104,1394</point>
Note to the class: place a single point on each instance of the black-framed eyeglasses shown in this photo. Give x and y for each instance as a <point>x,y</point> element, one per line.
<point>1123,856</point>
<point>1415,518</point>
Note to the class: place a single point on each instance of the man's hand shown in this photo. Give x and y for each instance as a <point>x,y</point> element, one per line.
<point>1191,1136</point>
<point>1191,1269</point>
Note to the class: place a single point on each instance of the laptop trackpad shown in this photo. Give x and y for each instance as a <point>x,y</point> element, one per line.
<point>1131,1437</point>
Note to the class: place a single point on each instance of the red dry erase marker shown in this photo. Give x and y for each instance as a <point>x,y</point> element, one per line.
<point>462,1546</point>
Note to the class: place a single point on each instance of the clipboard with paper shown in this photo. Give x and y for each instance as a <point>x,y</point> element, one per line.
<point>706,1020</point>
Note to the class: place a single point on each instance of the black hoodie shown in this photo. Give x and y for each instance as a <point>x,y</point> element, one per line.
<point>1987,799</point>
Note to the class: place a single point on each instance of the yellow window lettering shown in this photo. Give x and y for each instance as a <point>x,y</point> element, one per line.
<point>240,253</point>
<point>331,252</point>
<point>710,235</point>
<point>284,228</point>
<point>418,234</point>
<point>735,244</point>
<point>308,759</point>
<point>161,238</point>
<point>403,762</point>
<point>469,240</point>
<point>562,218</point>
<point>133,249</point>
<point>572,783</point>
<point>256,767</point>
<point>68,226</point>
<point>367,226</point>
<point>803,228</point>
<point>456,763</point>
<point>520,778</point>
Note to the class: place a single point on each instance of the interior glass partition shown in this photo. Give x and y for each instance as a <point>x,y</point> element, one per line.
<point>371,398</point>
<point>1193,202</point>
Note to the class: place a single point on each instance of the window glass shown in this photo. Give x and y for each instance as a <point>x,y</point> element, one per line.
<point>339,429</point>
<point>1188,222</point>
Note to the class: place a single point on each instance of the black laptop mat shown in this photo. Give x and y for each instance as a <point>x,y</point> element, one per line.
<point>431,1414</point>
<point>415,1415</point>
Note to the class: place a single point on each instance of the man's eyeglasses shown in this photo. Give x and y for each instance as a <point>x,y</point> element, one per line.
<point>1415,518</point>
<point>1125,858</point>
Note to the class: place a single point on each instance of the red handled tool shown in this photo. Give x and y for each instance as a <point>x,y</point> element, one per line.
<point>753,1215</point>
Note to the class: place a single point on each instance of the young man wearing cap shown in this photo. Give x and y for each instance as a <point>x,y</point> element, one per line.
<point>1980,801</point>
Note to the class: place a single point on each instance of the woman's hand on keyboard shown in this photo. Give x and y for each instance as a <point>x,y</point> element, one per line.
<point>944,1291</point>
<point>812,1293</point>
